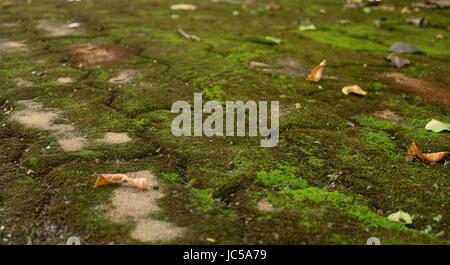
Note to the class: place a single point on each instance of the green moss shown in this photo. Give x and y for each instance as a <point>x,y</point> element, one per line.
<point>214,93</point>
<point>317,195</point>
<point>172,177</point>
<point>89,154</point>
<point>284,176</point>
<point>25,180</point>
<point>139,124</point>
<point>316,162</point>
<point>375,123</point>
<point>34,161</point>
<point>381,141</point>
<point>365,37</point>
<point>202,199</point>
<point>341,39</point>
<point>306,224</point>
<point>102,76</point>
<point>224,174</point>
<point>345,204</point>
<point>377,86</point>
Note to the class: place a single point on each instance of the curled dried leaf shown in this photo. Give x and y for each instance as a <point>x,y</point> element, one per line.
<point>316,73</point>
<point>415,152</point>
<point>108,179</point>
<point>354,89</point>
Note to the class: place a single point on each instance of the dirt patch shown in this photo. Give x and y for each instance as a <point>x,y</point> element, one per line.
<point>12,46</point>
<point>265,206</point>
<point>430,91</point>
<point>124,77</point>
<point>64,80</point>
<point>132,205</point>
<point>36,116</point>
<point>92,54</point>
<point>22,82</point>
<point>56,29</point>
<point>70,142</point>
<point>387,114</point>
<point>115,138</point>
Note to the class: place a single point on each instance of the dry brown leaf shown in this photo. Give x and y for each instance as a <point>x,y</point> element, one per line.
<point>108,179</point>
<point>316,73</point>
<point>354,89</point>
<point>414,151</point>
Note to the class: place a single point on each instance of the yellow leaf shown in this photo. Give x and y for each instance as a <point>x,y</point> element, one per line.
<point>354,89</point>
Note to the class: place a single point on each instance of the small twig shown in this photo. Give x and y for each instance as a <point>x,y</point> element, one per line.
<point>188,36</point>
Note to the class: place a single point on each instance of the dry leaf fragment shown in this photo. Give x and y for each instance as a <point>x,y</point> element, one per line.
<point>309,27</point>
<point>414,151</point>
<point>255,64</point>
<point>379,21</point>
<point>107,179</point>
<point>437,126</point>
<point>188,36</point>
<point>267,40</point>
<point>398,61</point>
<point>316,73</point>
<point>187,7</point>
<point>401,217</point>
<point>419,22</point>
<point>405,10</point>
<point>354,89</point>
<point>439,36</point>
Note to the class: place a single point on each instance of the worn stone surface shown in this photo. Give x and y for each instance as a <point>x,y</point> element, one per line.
<point>337,173</point>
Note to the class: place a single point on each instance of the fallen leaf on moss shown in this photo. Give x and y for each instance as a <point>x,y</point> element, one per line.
<point>316,72</point>
<point>268,40</point>
<point>379,21</point>
<point>414,151</point>
<point>401,217</point>
<point>398,61</point>
<point>402,47</point>
<point>108,179</point>
<point>405,10</point>
<point>188,36</point>
<point>354,89</point>
<point>419,22</point>
<point>187,7</point>
<point>437,126</point>
<point>307,27</point>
